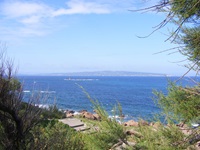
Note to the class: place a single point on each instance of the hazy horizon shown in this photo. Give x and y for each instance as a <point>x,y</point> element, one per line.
<point>101,73</point>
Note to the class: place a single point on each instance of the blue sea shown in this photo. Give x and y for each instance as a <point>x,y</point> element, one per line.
<point>134,93</point>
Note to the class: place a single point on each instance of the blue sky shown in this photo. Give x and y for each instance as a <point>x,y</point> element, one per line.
<point>58,36</point>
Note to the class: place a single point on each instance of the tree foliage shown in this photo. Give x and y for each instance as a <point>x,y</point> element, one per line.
<point>185,14</point>
<point>16,118</point>
<point>181,103</point>
<point>161,138</point>
<point>26,126</point>
<point>190,38</point>
<point>109,132</point>
<point>51,135</point>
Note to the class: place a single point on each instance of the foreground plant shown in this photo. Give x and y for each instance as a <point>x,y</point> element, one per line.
<point>181,103</point>
<point>108,131</point>
<point>16,117</point>
<point>51,135</point>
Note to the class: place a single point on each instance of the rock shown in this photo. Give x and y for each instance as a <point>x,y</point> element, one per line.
<point>131,123</point>
<point>69,115</point>
<point>184,128</point>
<point>181,124</point>
<point>82,111</point>
<point>151,124</point>
<point>133,132</point>
<point>186,131</point>
<point>88,115</point>
<point>143,123</point>
<point>155,125</point>
<point>71,111</point>
<point>97,117</point>
<point>122,116</point>
<point>197,145</point>
<point>117,146</point>
<point>131,144</point>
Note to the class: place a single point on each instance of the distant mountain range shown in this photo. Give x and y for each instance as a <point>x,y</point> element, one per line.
<point>106,73</point>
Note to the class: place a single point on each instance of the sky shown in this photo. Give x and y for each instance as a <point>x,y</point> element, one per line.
<point>60,36</point>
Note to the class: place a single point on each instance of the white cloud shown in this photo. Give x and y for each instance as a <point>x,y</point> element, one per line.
<point>25,12</point>
<point>31,32</point>
<point>31,18</point>
<point>23,9</point>
<point>22,18</point>
<point>81,7</point>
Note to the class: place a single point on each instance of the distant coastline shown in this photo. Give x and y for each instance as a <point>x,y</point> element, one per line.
<point>101,73</point>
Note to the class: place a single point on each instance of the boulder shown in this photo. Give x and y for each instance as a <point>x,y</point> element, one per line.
<point>71,111</point>
<point>124,146</point>
<point>122,116</point>
<point>184,128</point>
<point>143,123</point>
<point>186,131</point>
<point>155,125</point>
<point>133,132</point>
<point>82,111</point>
<point>181,124</point>
<point>131,123</point>
<point>88,115</point>
<point>197,145</point>
<point>97,117</point>
<point>69,115</point>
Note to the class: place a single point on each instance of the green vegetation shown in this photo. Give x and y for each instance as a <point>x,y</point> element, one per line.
<point>181,104</point>
<point>15,122</point>
<point>24,126</point>
<point>109,131</point>
<point>161,138</point>
<point>52,113</point>
<point>51,135</point>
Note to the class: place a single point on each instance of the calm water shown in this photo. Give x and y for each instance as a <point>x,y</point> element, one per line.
<point>133,93</point>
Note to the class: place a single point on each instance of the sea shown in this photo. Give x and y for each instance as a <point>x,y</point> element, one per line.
<point>133,93</point>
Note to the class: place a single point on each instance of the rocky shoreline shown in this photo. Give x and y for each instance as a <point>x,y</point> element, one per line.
<point>130,123</point>
<point>83,114</point>
<point>130,126</point>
